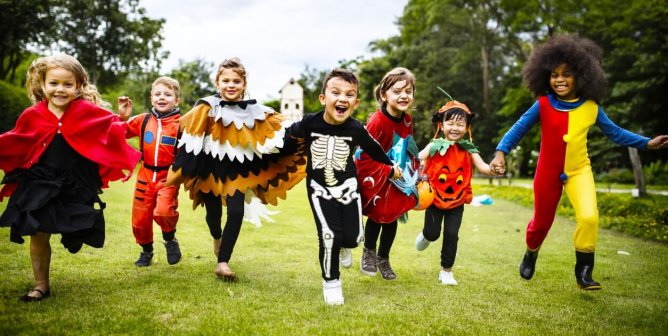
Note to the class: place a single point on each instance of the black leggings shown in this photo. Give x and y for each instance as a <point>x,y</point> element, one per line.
<point>387,233</point>
<point>214,215</point>
<point>452,220</point>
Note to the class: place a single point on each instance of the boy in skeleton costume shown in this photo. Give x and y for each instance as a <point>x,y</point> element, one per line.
<point>331,138</point>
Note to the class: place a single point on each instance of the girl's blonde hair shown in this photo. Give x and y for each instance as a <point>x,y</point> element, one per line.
<point>395,75</point>
<point>37,73</point>
<point>235,65</point>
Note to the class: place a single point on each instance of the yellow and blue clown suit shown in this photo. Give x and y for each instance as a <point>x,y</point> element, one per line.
<point>563,163</point>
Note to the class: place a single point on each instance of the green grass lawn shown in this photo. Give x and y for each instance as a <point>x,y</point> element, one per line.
<point>279,289</point>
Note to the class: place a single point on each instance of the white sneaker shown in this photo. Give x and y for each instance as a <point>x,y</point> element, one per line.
<point>333,292</point>
<point>447,278</point>
<point>421,242</point>
<point>345,258</point>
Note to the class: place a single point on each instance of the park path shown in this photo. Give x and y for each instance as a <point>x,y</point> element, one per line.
<point>599,189</point>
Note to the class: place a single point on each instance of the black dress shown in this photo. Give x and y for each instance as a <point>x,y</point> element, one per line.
<point>60,194</point>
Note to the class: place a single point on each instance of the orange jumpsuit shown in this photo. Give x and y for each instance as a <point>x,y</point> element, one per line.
<point>153,199</point>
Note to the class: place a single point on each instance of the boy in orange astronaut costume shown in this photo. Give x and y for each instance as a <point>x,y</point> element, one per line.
<point>153,199</point>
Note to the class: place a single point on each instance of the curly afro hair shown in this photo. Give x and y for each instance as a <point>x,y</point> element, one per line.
<point>583,57</point>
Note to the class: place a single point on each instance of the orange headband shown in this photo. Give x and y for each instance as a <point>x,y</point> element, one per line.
<point>450,105</point>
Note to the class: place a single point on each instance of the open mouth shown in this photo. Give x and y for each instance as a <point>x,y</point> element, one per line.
<point>341,109</point>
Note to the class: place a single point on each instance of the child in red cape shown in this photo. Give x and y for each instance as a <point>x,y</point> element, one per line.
<point>62,150</point>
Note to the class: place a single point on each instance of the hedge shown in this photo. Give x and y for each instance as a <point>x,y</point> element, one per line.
<point>645,217</point>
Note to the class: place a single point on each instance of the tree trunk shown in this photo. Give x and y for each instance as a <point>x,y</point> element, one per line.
<point>637,171</point>
<point>485,78</point>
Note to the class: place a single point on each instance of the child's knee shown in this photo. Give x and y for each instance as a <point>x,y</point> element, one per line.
<point>431,235</point>
<point>589,220</point>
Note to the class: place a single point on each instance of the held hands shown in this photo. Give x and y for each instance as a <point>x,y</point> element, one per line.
<point>659,142</point>
<point>498,164</point>
<point>397,172</point>
<point>124,107</point>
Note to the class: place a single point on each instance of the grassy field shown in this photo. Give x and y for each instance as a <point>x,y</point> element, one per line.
<point>279,290</point>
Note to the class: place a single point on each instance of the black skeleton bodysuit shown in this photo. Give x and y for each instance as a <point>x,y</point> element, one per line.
<point>331,179</point>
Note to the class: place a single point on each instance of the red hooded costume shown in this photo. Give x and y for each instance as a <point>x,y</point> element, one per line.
<point>93,132</point>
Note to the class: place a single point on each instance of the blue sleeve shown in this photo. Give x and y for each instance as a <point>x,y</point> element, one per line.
<point>619,135</point>
<point>519,129</point>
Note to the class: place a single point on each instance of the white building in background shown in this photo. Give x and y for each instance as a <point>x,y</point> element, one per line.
<point>292,100</point>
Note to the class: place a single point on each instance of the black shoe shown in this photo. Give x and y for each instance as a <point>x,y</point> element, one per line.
<point>584,267</point>
<point>42,295</point>
<point>173,251</point>
<point>74,248</point>
<point>528,265</point>
<point>144,259</point>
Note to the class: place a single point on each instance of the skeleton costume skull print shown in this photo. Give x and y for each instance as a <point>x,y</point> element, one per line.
<point>332,186</point>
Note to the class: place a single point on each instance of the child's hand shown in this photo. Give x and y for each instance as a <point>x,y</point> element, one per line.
<point>124,107</point>
<point>397,172</point>
<point>659,142</point>
<point>498,164</point>
<point>497,170</point>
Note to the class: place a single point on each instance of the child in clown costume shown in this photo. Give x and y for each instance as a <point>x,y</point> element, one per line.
<point>384,200</point>
<point>448,166</point>
<point>230,152</point>
<point>565,74</point>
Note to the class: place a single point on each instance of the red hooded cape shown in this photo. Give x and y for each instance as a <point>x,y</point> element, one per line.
<point>93,132</point>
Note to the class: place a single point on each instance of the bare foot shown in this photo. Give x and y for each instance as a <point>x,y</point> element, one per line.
<point>224,272</point>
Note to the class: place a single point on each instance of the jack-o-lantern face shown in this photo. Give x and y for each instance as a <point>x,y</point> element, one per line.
<point>450,177</point>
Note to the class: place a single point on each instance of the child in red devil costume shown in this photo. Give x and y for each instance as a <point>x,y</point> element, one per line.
<point>565,74</point>
<point>154,200</point>
<point>448,166</point>
<point>62,150</point>
<point>384,200</point>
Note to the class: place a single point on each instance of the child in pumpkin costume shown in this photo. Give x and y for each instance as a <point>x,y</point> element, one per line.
<point>448,166</point>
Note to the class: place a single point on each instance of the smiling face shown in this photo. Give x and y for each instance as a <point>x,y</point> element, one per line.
<point>231,85</point>
<point>454,128</point>
<point>562,82</point>
<point>399,98</point>
<point>339,100</point>
<point>60,88</point>
<point>163,98</point>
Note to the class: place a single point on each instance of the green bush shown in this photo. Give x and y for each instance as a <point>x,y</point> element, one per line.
<point>645,217</point>
<point>621,175</point>
<point>13,100</point>
<point>656,173</point>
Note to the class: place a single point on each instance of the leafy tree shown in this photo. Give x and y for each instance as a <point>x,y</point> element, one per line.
<point>634,37</point>
<point>23,23</point>
<point>13,100</point>
<point>195,80</point>
<point>109,38</point>
<point>311,80</point>
<point>193,77</point>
